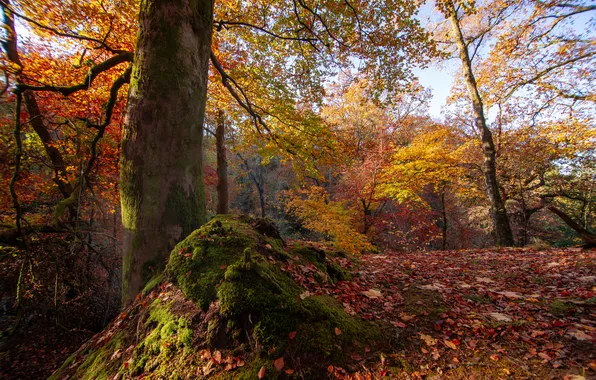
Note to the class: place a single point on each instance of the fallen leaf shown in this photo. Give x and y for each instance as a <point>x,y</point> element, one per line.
<point>406,317</point>
<point>289,371</point>
<point>450,344</point>
<point>279,364</point>
<point>429,340</point>
<point>292,335</point>
<point>304,294</point>
<point>337,331</point>
<point>485,280</point>
<point>330,369</point>
<point>432,287</point>
<point>494,357</point>
<point>217,357</point>
<point>261,373</point>
<point>511,295</point>
<point>372,293</point>
<point>499,317</point>
<point>208,368</point>
<point>579,335</point>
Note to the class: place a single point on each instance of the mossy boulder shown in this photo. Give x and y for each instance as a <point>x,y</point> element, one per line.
<point>228,303</point>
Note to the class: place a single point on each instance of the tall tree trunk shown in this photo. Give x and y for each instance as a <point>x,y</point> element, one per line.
<point>588,237</point>
<point>161,178</point>
<point>444,224</point>
<point>222,165</point>
<point>502,229</point>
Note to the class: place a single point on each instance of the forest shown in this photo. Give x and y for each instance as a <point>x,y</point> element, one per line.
<point>301,189</point>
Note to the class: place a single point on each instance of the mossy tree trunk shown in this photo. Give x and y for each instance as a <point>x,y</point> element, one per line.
<point>161,177</point>
<point>502,229</point>
<point>222,164</point>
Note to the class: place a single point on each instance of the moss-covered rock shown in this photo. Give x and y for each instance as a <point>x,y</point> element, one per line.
<point>228,301</point>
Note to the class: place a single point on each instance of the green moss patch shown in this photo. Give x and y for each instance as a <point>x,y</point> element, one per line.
<point>229,295</point>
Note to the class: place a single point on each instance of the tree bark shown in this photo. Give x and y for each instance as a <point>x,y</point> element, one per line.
<point>222,165</point>
<point>161,175</point>
<point>504,236</point>
<point>588,237</point>
<point>444,222</point>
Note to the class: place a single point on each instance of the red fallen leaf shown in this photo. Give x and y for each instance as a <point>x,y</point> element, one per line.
<point>330,369</point>
<point>356,357</point>
<point>455,359</point>
<point>230,366</point>
<point>450,344</point>
<point>279,363</point>
<point>494,357</point>
<point>438,324</point>
<point>289,371</point>
<point>401,325</point>
<point>123,315</point>
<point>424,350</point>
<point>383,373</point>
<point>337,331</point>
<point>292,335</point>
<point>261,373</point>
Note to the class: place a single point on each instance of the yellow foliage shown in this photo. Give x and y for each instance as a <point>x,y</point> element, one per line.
<point>333,219</point>
<point>433,160</point>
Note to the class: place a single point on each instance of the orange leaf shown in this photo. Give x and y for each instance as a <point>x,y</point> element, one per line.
<point>279,363</point>
<point>450,344</point>
<point>289,371</point>
<point>337,331</point>
<point>261,373</point>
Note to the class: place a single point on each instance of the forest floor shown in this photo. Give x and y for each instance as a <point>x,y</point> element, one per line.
<point>495,313</point>
<point>474,314</point>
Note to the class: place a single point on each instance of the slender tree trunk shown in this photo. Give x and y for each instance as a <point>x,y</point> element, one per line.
<point>444,224</point>
<point>261,191</point>
<point>588,237</point>
<point>35,117</point>
<point>161,176</point>
<point>222,165</point>
<point>365,216</point>
<point>502,229</point>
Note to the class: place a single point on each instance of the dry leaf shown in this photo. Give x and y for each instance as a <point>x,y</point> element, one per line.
<point>372,293</point>
<point>337,331</point>
<point>261,373</point>
<point>279,364</point>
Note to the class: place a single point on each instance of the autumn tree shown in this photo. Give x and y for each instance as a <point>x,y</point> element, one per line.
<point>269,58</point>
<point>453,13</point>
